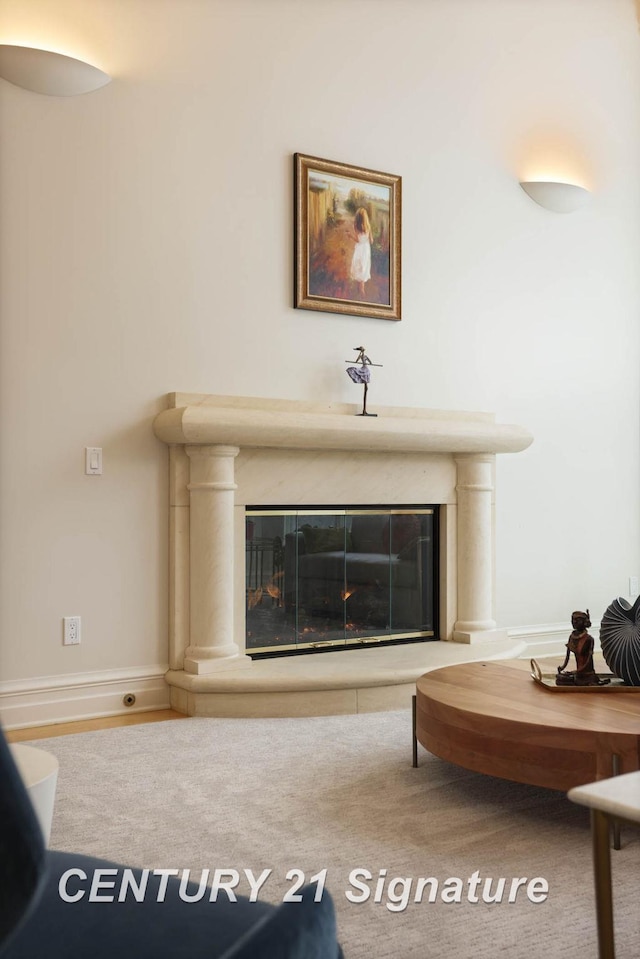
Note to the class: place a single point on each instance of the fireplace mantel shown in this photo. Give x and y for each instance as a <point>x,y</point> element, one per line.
<point>198,419</point>
<point>230,452</point>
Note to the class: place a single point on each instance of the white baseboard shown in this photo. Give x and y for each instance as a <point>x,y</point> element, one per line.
<point>549,639</point>
<point>60,699</point>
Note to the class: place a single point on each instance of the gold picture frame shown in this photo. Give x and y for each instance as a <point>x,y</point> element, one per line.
<point>347,239</point>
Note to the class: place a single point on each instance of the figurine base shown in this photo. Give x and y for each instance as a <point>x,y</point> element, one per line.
<point>366,414</point>
<point>570,679</point>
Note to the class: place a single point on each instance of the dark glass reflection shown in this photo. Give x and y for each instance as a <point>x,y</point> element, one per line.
<point>336,577</point>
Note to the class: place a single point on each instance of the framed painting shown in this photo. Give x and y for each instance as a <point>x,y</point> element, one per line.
<point>347,239</point>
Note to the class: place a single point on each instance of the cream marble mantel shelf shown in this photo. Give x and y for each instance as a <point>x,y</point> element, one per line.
<point>230,452</point>
<point>197,419</point>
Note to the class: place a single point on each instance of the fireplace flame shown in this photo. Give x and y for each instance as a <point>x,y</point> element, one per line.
<point>254,596</point>
<point>346,593</point>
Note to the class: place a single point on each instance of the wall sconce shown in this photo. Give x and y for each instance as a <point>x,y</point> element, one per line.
<point>43,71</point>
<point>558,197</point>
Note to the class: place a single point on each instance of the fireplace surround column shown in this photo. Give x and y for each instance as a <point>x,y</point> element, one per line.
<point>474,490</point>
<point>211,493</point>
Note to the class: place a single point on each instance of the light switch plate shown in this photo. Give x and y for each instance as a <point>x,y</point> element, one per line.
<point>93,460</point>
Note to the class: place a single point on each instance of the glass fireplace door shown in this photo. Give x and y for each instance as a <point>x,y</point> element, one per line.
<point>322,578</point>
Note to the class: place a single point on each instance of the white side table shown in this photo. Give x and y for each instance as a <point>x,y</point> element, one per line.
<point>39,771</point>
<point>610,801</point>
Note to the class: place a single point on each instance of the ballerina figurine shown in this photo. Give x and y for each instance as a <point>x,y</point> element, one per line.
<point>362,374</point>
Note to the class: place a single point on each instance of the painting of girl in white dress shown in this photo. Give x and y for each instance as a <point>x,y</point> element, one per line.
<point>361,262</point>
<point>347,239</point>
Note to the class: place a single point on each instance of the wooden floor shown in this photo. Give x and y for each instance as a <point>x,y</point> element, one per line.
<point>88,725</point>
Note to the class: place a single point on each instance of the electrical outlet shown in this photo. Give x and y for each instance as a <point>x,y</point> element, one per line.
<point>633,586</point>
<point>71,635</point>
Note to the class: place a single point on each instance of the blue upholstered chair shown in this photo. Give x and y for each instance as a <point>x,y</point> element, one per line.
<point>36,922</point>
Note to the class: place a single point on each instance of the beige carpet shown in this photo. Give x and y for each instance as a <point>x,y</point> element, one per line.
<point>340,793</point>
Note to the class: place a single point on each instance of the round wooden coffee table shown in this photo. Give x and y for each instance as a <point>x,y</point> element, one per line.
<point>496,720</point>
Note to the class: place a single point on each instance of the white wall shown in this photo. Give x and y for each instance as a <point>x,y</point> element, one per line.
<point>146,247</point>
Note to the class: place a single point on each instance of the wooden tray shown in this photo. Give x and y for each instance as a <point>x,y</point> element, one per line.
<point>548,680</point>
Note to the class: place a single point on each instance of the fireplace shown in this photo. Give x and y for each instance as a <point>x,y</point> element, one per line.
<point>230,456</point>
<point>331,578</point>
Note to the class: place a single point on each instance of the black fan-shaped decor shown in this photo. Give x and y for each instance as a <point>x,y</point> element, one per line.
<point>620,640</point>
